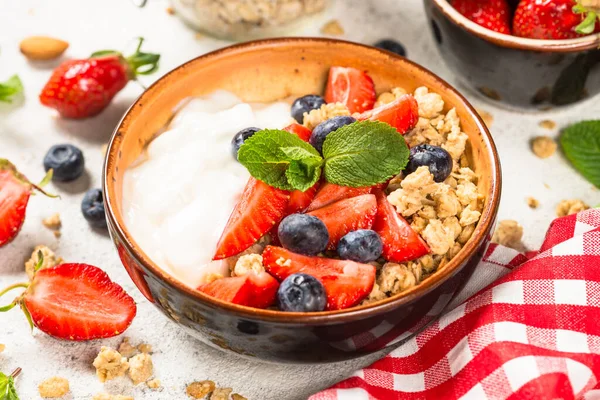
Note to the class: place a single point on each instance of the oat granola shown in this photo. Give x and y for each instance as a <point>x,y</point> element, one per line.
<point>2,347</point>
<point>144,348</point>
<point>543,146</point>
<point>53,222</point>
<point>50,260</point>
<point>198,390</point>
<point>53,388</point>
<point>236,396</point>
<point>126,349</point>
<point>248,263</point>
<point>327,111</point>
<point>140,368</point>
<point>153,384</point>
<point>572,206</point>
<point>221,394</point>
<point>333,28</point>
<point>110,364</point>
<point>508,233</point>
<point>533,202</point>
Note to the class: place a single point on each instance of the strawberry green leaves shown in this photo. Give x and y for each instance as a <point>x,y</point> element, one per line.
<point>581,145</point>
<point>10,88</point>
<point>360,154</point>
<point>590,16</point>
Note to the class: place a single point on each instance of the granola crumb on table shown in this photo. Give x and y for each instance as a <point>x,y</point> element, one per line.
<point>533,202</point>
<point>508,233</point>
<point>2,347</point>
<point>547,124</point>
<point>153,384</point>
<point>106,396</point>
<point>543,146</point>
<point>53,222</point>
<point>332,27</point>
<point>110,364</point>
<point>140,368</point>
<point>53,388</point>
<point>327,111</point>
<point>198,390</point>
<point>50,260</point>
<point>572,206</point>
<point>145,348</point>
<point>221,394</point>
<point>126,349</point>
<point>236,396</point>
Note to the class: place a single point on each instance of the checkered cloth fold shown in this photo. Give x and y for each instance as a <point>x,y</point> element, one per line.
<point>531,332</point>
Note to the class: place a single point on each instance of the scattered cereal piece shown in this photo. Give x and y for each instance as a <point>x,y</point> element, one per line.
<point>145,348</point>
<point>543,146</point>
<point>126,349</point>
<point>508,233</point>
<point>568,207</point>
<point>2,347</point>
<point>198,390</point>
<point>170,11</point>
<point>106,396</point>
<point>221,394</point>
<point>547,124</point>
<point>332,27</point>
<point>53,388</point>
<point>327,111</point>
<point>140,368</point>
<point>52,222</point>
<point>50,260</point>
<point>153,384</point>
<point>486,116</point>
<point>236,396</point>
<point>248,263</point>
<point>547,186</point>
<point>110,364</point>
<point>533,202</point>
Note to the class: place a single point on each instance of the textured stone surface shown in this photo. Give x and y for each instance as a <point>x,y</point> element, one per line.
<point>27,130</point>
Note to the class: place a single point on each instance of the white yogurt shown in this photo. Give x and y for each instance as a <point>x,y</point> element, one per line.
<point>178,196</point>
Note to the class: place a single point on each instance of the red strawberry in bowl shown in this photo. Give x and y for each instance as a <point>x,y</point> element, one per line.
<point>252,290</point>
<point>75,302</point>
<point>351,87</point>
<point>83,88</point>
<point>346,282</point>
<point>15,190</point>
<point>402,114</point>
<point>491,14</point>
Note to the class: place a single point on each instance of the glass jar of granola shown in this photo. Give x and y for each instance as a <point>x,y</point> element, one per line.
<point>247,19</point>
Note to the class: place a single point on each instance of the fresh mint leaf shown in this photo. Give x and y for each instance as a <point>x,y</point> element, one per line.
<point>581,145</point>
<point>270,153</point>
<point>3,385</point>
<point>10,88</point>
<point>7,388</point>
<point>364,153</point>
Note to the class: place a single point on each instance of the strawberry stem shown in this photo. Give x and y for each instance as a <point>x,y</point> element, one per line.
<point>14,286</point>
<point>27,315</point>
<point>142,63</point>
<point>589,16</point>
<point>16,372</point>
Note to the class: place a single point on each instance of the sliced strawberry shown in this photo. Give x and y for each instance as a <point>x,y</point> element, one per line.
<point>15,191</point>
<point>78,302</point>
<point>351,87</point>
<point>402,113</point>
<point>259,209</point>
<point>252,290</point>
<point>400,242</point>
<point>346,282</point>
<point>300,130</point>
<point>330,193</point>
<point>347,215</point>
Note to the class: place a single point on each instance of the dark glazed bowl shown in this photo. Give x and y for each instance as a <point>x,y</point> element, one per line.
<point>266,71</point>
<point>525,73</point>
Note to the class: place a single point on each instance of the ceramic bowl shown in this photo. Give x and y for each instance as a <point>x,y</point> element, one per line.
<point>520,72</point>
<point>265,71</point>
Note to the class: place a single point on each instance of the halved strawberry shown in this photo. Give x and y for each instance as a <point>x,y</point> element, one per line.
<point>351,87</point>
<point>259,209</point>
<point>347,215</point>
<point>402,113</point>
<point>330,193</point>
<point>346,282</point>
<point>76,302</point>
<point>300,130</point>
<point>252,290</point>
<point>400,242</point>
<point>15,190</point>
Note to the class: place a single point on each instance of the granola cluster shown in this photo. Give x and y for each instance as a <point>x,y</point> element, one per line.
<point>327,111</point>
<point>443,213</point>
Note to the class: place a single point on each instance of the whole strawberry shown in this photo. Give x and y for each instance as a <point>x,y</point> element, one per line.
<point>82,88</point>
<point>553,20</point>
<point>15,190</point>
<point>491,14</point>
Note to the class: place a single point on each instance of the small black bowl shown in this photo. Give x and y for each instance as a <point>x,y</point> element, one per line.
<point>526,73</point>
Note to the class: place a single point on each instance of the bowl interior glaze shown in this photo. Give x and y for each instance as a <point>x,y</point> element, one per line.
<point>270,70</point>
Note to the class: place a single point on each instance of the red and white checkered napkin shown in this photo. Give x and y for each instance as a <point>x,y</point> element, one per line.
<point>531,332</point>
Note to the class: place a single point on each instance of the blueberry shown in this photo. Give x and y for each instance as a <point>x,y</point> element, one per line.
<point>306,104</point>
<point>301,293</point>
<point>437,159</point>
<point>92,207</point>
<point>239,139</point>
<point>325,128</point>
<point>363,245</point>
<point>66,160</point>
<point>391,45</point>
<point>303,234</point>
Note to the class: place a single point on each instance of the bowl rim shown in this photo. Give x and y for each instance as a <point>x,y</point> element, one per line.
<point>588,42</point>
<point>482,230</point>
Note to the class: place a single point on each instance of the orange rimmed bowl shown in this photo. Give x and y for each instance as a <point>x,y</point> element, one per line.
<point>265,71</point>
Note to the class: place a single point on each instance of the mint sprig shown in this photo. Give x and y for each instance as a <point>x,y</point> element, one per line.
<point>581,144</point>
<point>7,388</point>
<point>363,153</point>
<point>10,88</point>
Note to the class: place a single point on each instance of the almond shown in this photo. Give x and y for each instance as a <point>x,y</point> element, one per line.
<point>42,47</point>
